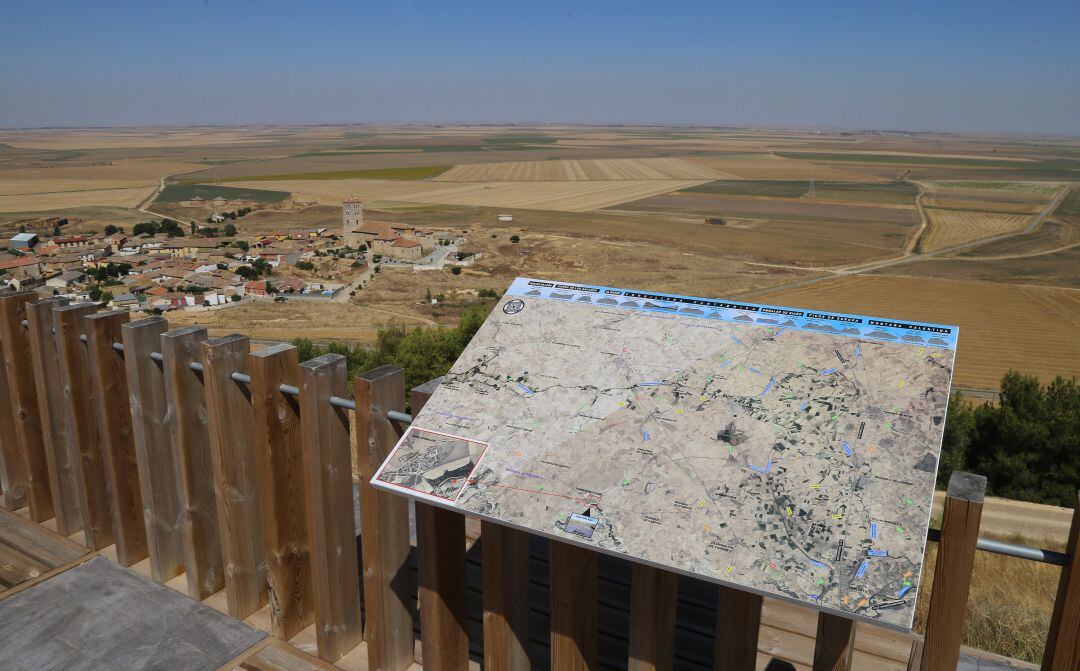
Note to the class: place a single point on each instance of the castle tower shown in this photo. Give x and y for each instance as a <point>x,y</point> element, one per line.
<point>352,218</point>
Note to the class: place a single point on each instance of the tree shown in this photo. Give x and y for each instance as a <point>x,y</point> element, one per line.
<point>111,230</point>
<point>247,272</point>
<point>305,265</point>
<point>235,298</point>
<point>456,270</point>
<point>242,244</point>
<point>515,239</point>
<point>192,227</point>
<point>230,230</point>
<point>56,231</point>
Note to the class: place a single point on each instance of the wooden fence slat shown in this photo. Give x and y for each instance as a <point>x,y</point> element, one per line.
<point>54,425</point>
<point>835,643</point>
<point>952,571</point>
<point>1063,643</point>
<point>12,471</point>
<point>440,542</point>
<point>573,607</point>
<point>279,454</point>
<point>384,522</point>
<point>84,438</point>
<point>505,557</point>
<point>328,467</point>
<point>652,618</point>
<point>109,382</point>
<point>186,419</point>
<point>738,623</point>
<point>24,404</point>
<point>232,451</point>
<point>153,447</point>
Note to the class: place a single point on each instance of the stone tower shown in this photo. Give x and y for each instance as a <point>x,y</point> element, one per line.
<point>352,218</point>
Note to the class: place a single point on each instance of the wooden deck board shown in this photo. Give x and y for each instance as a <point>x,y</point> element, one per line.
<point>28,550</point>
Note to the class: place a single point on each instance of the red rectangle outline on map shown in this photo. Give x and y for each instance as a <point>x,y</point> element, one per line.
<point>465,480</point>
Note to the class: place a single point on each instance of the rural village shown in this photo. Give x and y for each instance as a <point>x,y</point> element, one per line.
<point>160,266</point>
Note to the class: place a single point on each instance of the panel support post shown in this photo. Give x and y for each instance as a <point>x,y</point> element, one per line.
<point>505,557</point>
<point>384,523</point>
<point>236,491</point>
<point>952,572</point>
<point>184,390</point>
<point>84,434</point>
<point>153,447</point>
<point>283,498</point>
<point>573,607</point>
<point>41,328</point>
<point>31,465</point>
<point>330,516</point>
<point>1063,643</point>
<point>653,595</point>
<point>835,643</point>
<point>109,383</point>
<point>738,623</point>
<point>440,541</point>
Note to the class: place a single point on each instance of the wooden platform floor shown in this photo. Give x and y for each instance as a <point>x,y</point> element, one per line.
<point>787,632</point>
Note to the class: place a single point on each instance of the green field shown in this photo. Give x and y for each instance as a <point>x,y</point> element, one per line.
<point>417,172</point>
<point>900,193</point>
<point>1070,206</point>
<point>1013,187</point>
<point>174,193</point>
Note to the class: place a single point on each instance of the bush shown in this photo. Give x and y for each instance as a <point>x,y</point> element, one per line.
<point>456,270</point>
<point>515,239</point>
<point>305,265</point>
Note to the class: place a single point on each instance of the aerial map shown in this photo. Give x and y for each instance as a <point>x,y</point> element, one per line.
<point>787,452</point>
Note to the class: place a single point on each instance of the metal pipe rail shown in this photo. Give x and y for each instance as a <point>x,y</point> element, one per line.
<point>984,544</point>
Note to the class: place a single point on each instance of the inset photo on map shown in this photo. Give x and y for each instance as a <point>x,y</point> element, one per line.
<point>431,463</point>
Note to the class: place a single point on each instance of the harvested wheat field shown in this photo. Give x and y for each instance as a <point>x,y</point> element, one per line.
<point>953,227</point>
<point>332,191</point>
<point>1002,327</point>
<point>567,196</point>
<point>60,200</point>
<point>603,170</point>
<point>770,166</point>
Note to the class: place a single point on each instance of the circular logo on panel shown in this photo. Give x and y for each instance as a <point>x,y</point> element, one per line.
<point>513,307</point>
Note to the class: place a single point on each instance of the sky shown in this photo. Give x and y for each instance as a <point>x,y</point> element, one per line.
<point>987,66</point>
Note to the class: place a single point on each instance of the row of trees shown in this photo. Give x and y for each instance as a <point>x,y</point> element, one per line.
<point>166,227</point>
<point>1027,444</point>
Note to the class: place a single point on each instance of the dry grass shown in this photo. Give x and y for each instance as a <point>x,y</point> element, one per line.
<point>952,227</point>
<point>45,202</point>
<point>770,166</point>
<point>558,196</point>
<point>1009,605</point>
<point>1002,327</point>
<point>637,169</point>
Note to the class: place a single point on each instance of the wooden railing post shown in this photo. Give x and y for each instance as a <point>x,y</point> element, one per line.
<point>440,541</point>
<point>54,425</point>
<point>24,405</point>
<point>835,643</point>
<point>1063,643</point>
<point>653,594</point>
<point>153,446</point>
<point>279,456</point>
<point>573,607</point>
<point>328,467</point>
<point>84,438</point>
<point>952,571</point>
<point>108,377</point>
<point>186,419</point>
<point>384,522</point>
<point>505,557</point>
<point>12,471</point>
<point>738,623</point>
<point>232,450</point>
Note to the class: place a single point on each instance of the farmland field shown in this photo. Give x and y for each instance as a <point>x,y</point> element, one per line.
<point>895,193</point>
<point>567,196</point>
<point>584,170</point>
<point>952,227</point>
<point>1002,327</point>
<point>406,173</point>
<point>174,193</point>
<point>775,208</point>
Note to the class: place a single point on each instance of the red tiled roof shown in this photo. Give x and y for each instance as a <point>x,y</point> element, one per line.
<point>402,242</point>
<point>20,262</point>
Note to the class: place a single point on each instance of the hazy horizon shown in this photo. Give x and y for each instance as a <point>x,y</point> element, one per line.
<point>998,68</point>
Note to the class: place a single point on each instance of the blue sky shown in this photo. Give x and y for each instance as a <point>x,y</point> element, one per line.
<point>987,66</point>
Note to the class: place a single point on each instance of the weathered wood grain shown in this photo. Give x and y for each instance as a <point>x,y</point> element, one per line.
<point>738,624</point>
<point>232,451</point>
<point>573,607</point>
<point>283,498</point>
<point>330,506</point>
<point>834,644</point>
<point>652,618</point>
<point>505,557</point>
<point>1063,642</point>
<point>186,419</point>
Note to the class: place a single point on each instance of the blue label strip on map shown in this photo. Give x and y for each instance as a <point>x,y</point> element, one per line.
<point>862,569</point>
<point>854,326</point>
<point>877,553</point>
<point>873,531</point>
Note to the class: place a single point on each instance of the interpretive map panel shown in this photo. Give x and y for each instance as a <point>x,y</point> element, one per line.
<point>787,452</point>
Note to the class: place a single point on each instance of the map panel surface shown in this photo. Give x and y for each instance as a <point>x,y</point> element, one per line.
<point>781,451</point>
